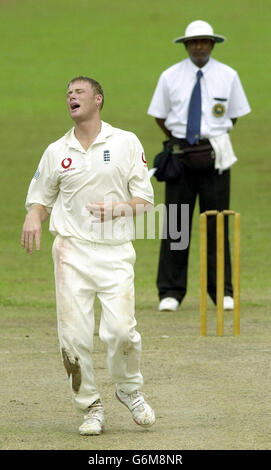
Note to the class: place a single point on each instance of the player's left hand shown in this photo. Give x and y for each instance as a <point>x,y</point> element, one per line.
<point>102,211</point>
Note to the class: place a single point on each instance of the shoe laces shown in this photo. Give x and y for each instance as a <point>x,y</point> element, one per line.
<point>136,400</point>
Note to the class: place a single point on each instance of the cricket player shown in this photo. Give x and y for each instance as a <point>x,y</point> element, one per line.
<point>91,182</point>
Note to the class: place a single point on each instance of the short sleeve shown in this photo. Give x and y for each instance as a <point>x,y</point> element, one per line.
<point>43,188</point>
<point>160,103</point>
<point>238,103</point>
<point>139,183</point>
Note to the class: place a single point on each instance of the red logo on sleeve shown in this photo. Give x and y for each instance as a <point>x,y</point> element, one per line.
<point>143,159</point>
<point>66,163</point>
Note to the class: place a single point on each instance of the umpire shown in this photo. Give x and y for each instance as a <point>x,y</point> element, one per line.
<point>196,103</point>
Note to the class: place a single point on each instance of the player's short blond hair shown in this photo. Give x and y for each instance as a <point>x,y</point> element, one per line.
<point>97,87</point>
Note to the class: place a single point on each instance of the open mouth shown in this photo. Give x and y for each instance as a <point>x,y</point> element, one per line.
<point>74,106</point>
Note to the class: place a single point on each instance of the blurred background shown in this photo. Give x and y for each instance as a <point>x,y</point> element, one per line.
<point>125,46</point>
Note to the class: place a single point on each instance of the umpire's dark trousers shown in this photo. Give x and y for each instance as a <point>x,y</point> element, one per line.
<point>213,190</point>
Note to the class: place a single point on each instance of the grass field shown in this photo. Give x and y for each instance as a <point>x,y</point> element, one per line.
<point>208,393</point>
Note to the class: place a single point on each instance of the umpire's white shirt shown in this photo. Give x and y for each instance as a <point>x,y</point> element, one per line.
<point>69,177</point>
<point>223,97</point>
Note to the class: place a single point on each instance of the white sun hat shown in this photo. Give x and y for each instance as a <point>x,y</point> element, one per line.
<point>199,29</point>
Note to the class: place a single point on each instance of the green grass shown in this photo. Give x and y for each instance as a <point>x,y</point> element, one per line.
<point>125,45</point>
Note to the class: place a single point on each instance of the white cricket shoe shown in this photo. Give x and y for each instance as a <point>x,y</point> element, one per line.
<point>228,303</point>
<point>93,421</point>
<point>169,304</point>
<point>142,413</point>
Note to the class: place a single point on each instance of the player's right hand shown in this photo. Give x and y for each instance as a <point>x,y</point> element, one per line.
<point>31,233</point>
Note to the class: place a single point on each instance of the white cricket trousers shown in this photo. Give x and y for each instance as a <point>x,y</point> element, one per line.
<point>83,270</point>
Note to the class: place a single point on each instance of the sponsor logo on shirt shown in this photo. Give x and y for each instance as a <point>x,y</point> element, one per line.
<point>66,163</point>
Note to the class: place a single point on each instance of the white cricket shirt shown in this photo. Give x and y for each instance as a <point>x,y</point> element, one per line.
<point>69,177</point>
<point>222,94</point>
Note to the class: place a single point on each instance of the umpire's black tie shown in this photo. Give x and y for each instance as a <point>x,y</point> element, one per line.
<point>194,113</point>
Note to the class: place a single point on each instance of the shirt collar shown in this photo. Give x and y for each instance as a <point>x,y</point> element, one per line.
<point>106,131</point>
<point>204,69</point>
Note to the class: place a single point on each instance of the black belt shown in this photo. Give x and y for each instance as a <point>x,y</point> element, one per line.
<point>184,143</point>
